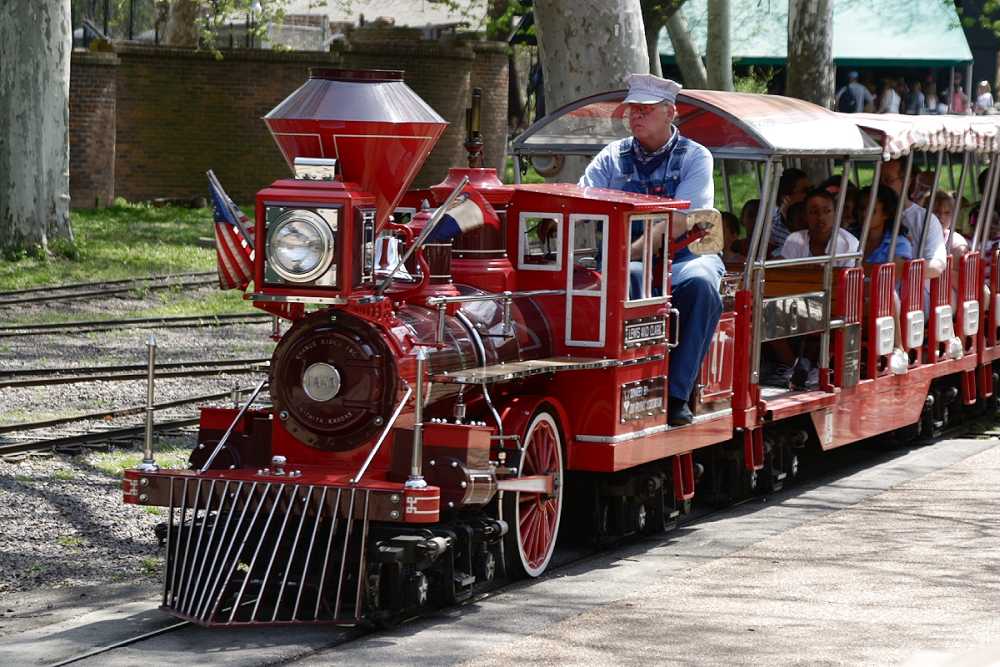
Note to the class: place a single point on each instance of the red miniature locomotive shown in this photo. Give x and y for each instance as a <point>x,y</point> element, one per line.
<point>443,409</point>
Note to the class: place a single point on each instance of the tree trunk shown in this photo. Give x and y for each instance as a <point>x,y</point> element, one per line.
<point>35,46</point>
<point>810,51</point>
<point>182,23</point>
<point>653,28</point>
<point>718,52</point>
<point>688,60</point>
<point>587,47</point>
<point>810,62</point>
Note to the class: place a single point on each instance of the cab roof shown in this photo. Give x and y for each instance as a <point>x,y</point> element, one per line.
<point>734,125</point>
<point>635,200</point>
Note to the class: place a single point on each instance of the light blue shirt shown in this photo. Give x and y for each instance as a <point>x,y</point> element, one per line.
<point>696,183</point>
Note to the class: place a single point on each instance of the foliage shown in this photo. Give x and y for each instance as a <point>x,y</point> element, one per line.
<point>757,80</point>
<point>988,18</point>
<point>500,22</point>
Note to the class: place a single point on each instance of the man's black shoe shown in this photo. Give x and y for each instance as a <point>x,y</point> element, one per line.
<point>678,413</point>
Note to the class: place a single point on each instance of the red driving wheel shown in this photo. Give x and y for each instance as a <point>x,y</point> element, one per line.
<point>534,517</point>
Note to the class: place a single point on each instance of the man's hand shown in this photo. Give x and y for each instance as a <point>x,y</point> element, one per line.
<point>678,228</point>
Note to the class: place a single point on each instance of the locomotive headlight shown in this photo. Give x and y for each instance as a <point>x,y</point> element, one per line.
<point>300,246</point>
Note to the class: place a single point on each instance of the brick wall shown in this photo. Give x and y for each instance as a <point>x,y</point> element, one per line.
<point>92,102</point>
<point>489,72</point>
<point>180,112</point>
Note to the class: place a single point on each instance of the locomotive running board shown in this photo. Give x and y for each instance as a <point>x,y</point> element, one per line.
<point>252,553</point>
<point>522,369</point>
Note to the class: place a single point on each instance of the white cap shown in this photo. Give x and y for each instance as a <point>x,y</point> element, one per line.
<point>650,89</point>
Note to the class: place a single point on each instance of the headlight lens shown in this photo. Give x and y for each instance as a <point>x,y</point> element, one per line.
<point>300,246</point>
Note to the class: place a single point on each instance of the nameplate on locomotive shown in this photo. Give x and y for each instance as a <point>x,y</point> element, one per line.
<point>644,331</point>
<point>642,399</point>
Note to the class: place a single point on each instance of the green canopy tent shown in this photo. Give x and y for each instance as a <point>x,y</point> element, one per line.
<point>866,33</point>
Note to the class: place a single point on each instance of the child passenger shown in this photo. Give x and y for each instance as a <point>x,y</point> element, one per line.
<point>820,211</point>
<point>944,209</point>
<point>880,233</point>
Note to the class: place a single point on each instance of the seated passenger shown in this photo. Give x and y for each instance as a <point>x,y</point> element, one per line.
<point>944,209</point>
<point>880,233</point>
<point>852,210</point>
<point>796,217</point>
<point>913,220</point>
<point>820,212</point>
<point>730,237</point>
<point>748,219</point>
<point>792,188</point>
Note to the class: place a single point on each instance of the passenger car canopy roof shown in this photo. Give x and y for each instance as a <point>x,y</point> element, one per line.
<point>739,125</point>
<point>900,134</point>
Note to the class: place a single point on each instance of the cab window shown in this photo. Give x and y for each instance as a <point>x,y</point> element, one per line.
<point>588,247</point>
<point>645,263</point>
<point>540,241</point>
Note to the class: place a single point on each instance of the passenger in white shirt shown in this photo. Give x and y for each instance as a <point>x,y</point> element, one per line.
<point>821,209</point>
<point>944,209</point>
<point>913,219</point>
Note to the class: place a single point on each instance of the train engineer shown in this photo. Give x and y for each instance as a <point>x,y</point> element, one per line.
<point>657,160</point>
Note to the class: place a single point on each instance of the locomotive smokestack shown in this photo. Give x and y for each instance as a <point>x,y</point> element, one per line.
<point>473,136</point>
<point>379,130</point>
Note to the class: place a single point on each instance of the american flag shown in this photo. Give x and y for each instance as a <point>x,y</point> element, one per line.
<point>469,212</point>
<point>234,241</point>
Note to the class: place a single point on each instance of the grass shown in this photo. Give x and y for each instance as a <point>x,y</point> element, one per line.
<point>121,241</point>
<point>69,541</point>
<point>114,462</point>
<point>531,176</point>
<point>65,474</point>
<point>151,564</point>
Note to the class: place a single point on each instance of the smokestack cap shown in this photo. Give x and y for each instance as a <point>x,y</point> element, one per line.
<point>375,126</point>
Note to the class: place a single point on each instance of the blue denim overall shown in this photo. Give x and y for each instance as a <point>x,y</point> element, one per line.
<point>694,279</point>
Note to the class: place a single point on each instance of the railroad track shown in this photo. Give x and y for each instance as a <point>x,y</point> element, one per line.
<point>106,415</point>
<point>90,326</point>
<point>92,437</point>
<point>105,288</point>
<point>122,644</point>
<point>35,377</point>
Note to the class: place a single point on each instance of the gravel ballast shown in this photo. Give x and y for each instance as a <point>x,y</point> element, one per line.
<point>64,522</point>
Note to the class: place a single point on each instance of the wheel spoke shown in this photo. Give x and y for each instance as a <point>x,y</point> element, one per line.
<point>529,535</point>
<point>525,515</point>
<point>530,461</point>
<point>537,538</point>
<point>542,448</point>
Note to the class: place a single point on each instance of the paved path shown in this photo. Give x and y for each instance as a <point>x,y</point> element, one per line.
<point>873,566</point>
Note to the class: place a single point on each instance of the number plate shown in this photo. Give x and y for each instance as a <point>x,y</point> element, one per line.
<point>645,331</point>
<point>643,398</point>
